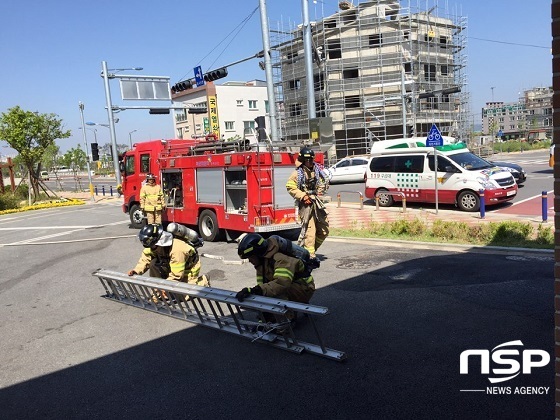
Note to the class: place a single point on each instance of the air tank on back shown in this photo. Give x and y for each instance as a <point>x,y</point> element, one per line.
<point>183,232</point>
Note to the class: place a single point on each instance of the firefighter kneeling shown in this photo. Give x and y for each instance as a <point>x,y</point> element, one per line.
<point>278,274</point>
<point>170,257</point>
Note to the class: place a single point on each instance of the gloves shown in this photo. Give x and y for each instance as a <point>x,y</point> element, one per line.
<point>248,291</point>
<point>132,272</point>
<point>307,200</point>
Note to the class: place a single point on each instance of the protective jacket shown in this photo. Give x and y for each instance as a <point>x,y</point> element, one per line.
<point>180,259</point>
<point>280,275</point>
<point>304,181</point>
<point>151,197</point>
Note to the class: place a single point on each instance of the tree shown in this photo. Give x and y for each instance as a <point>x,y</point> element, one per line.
<point>30,134</point>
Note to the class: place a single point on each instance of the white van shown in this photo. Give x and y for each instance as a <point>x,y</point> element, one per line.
<point>460,176</point>
<point>405,143</point>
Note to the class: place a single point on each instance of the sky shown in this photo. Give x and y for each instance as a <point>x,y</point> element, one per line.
<point>51,52</point>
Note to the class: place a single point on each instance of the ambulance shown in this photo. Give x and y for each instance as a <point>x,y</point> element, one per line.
<point>409,172</point>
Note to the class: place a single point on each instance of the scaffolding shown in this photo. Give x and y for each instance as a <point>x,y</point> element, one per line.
<point>381,70</point>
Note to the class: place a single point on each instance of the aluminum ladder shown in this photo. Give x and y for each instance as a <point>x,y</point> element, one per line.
<point>219,309</point>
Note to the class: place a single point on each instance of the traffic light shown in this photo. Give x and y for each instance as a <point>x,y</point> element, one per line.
<point>215,74</point>
<point>94,152</point>
<point>261,128</point>
<point>426,95</point>
<point>198,110</point>
<point>181,86</point>
<point>159,110</point>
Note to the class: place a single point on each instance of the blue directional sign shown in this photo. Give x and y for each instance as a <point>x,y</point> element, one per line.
<point>500,133</point>
<point>198,76</point>
<point>434,137</point>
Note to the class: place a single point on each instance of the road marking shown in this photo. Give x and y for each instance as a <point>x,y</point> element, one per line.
<point>531,198</point>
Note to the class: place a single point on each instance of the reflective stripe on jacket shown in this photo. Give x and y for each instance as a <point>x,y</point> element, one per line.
<point>151,197</point>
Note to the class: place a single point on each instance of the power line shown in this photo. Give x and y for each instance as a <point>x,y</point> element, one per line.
<point>509,43</point>
<point>237,28</point>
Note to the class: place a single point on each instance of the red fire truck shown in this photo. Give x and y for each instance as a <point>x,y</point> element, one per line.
<point>217,187</point>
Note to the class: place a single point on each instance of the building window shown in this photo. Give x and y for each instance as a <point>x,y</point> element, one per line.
<point>318,82</point>
<point>291,55</point>
<point>248,124</point>
<point>349,17</point>
<point>240,102</point>
<point>408,68</point>
<point>331,23</point>
<point>252,104</point>
<point>443,41</point>
<point>320,108</point>
<point>352,101</point>
<point>295,110</point>
<point>229,125</point>
<point>179,133</point>
<point>430,72</point>
<point>294,84</point>
<point>350,74</point>
<point>266,107</point>
<point>444,70</point>
<point>333,48</point>
<point>375,40</point>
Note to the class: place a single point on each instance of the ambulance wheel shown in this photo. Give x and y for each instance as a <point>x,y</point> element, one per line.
<point>208,226</point>
<point>468,201</point>
<point>385,200</point>
<point>137,220</point>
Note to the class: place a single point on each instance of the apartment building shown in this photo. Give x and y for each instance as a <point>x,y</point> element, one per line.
<point>529,118</point>
<point>228,110</point>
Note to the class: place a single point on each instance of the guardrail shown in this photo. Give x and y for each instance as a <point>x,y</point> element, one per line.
<point>351,192</point>
<point>392,193</point>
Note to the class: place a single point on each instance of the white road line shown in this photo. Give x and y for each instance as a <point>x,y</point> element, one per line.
<point>530,198</point>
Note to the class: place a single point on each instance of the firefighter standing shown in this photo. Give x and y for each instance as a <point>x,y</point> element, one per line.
<point>168,257</point>
<point>305,184</point>
<point>278,275</point>
<point>151,200</point>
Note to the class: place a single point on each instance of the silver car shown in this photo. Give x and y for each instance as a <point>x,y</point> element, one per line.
<point>349,169</point>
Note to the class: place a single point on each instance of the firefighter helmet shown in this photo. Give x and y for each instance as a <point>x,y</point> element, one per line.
<point>306,153</point>
<point>150,234</point>
<point>252,244</point>
<point>150,176</point>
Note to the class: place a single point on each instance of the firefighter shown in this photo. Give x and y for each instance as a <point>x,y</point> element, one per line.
<point>151,200</point>
<point>304,184</point>
<point>168,257</point>
<point>278,275</point>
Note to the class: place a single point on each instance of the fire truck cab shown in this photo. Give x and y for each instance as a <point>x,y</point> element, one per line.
<point>216,187</point>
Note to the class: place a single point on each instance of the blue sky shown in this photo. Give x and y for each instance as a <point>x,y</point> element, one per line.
<point>51,51</point>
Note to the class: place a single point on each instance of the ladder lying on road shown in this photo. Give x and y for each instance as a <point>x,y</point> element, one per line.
<point>218,309</point>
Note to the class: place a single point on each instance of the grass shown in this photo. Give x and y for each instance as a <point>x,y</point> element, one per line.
<point>505,234</point>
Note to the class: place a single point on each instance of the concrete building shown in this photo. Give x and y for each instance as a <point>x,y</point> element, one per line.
<point>227,110</point>
<point>380,70</point>
<point>530,118</point>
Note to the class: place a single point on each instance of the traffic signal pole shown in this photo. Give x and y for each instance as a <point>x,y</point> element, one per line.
<point>81,106</point>
<point>268,71</point>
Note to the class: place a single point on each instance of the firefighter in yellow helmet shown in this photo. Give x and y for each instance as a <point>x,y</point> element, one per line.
<point>151,200</point>
<point>305,184</point>
<point>169,257</point>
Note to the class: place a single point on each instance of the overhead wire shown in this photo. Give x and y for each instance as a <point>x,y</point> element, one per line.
<point>238,28</point>
<point>509,43</point>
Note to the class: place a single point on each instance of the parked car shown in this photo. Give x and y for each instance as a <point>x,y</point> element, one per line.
<point>349,169</point>
<point>44,176</point>
<point>517,171</point>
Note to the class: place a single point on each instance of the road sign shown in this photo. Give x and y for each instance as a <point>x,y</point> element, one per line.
<point>500,133</point>
<point>198,76</point>
<point>434,137</point>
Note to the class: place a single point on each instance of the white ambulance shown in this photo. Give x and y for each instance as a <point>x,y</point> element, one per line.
<point>401,171</point>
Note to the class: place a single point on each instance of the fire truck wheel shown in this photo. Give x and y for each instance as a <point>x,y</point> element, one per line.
<point>208,226</point>
<point>137,220</point>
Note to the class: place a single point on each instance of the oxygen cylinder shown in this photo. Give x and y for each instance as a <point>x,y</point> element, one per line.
<point>183,232</point>
<point>289,248</point>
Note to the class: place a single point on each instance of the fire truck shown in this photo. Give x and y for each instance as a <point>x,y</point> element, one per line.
<point>219,188</point>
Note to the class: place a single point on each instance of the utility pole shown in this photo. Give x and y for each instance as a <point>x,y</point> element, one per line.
<point>81,106</point>
<point>268,71</point>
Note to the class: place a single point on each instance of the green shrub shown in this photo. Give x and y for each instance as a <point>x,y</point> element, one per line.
<point>9,201</point>
<point>450,230</point>
<point>511,232</point>
<point>545,235</point>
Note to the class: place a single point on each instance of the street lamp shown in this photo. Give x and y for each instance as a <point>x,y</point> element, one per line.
<point>130,137</point>
<point>81,106</point>
<point>106,76</point>
<point>91,129</point>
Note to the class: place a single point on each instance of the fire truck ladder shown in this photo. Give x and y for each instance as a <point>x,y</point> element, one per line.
<point>219,309</point>
<point>265,171</point>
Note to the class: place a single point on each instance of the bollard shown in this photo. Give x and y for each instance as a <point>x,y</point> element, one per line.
<point>376,203</point>
<point>404,204</point>
<point>96,193</point>
<point>544,206</point>
<point>338,200</point>
<point>482,204</point>
<point>103,190</point>
<point>111,190</point>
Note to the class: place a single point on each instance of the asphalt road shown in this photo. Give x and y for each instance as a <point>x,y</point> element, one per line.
<point>402,314</point>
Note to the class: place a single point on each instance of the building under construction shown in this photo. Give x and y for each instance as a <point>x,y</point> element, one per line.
<point>381,70</point>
